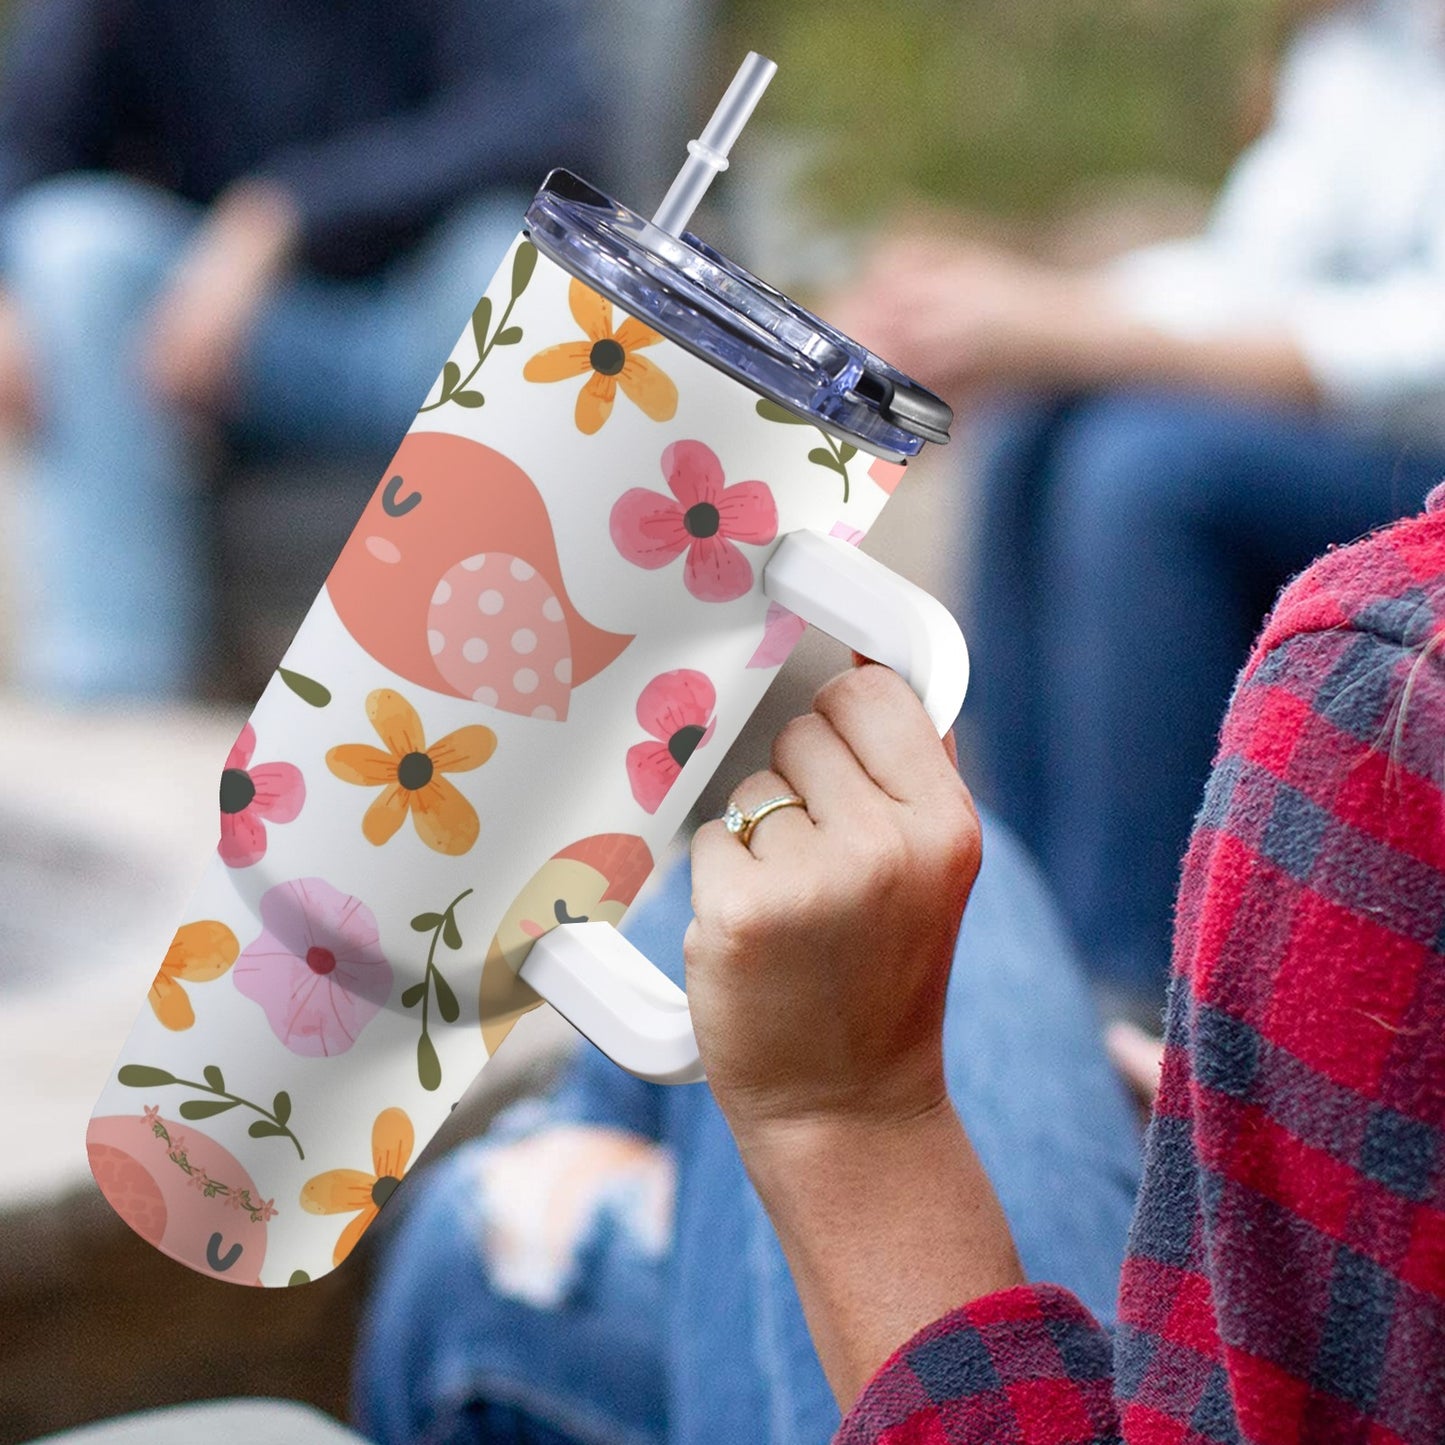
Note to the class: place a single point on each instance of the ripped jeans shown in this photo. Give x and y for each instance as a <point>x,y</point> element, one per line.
<point>599,1271</point>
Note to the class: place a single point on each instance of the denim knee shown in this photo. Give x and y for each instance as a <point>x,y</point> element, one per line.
<point>1130,465</point>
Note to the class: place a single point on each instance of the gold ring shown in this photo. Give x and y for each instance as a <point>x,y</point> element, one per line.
<point>741,824</point>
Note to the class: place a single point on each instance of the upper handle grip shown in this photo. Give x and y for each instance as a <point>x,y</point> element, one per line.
<point>857,600</point>
<point>592,975</point>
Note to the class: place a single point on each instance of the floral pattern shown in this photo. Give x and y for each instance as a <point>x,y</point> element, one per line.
<point>611,358</point>
<point>676,709</point>
<point>272,1123</point>
<point>236,1196</point>
<point>527,567</point>
<point>251,798</point>
<point>354,1191</point>
<point>198,953</point>
<point>409,774</point>
<point>703,517</point>
<point>317,968</point>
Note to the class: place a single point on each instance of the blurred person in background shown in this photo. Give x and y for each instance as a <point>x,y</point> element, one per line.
<point>262,222</point>
<point>1165,441</point>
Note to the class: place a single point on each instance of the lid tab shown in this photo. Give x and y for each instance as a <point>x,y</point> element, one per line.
<point>696,297</point>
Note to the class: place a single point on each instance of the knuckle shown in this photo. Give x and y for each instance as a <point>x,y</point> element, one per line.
<point>736,923</point>
<point>881,854</point>
<point>955,839</point>
<point>754,788</point>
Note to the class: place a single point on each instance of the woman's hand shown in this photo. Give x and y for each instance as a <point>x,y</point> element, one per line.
<point>817,967</point>
<point>965,316</point>
<point>819,957</point>
<point>204,315</point>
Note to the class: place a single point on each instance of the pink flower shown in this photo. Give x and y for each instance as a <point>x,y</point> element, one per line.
<point>703,518</point>
<point>676,709</point>
<point>317,969</point>
<point>273,792</point>
<point>782,629</point>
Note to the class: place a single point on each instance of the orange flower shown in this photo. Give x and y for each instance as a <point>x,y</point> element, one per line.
<point>353,1191</point>
<point>409,774</point>
<point>611,358</point>
<point>198,953</point>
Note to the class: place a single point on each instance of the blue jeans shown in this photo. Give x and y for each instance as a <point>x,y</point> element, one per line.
<point>1129,546</point>
<point>632,1340</point>
<point>115,595</point>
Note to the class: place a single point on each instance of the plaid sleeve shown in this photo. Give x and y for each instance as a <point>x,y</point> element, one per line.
<point>1027,1366</point>
<point>1286,1276</point>
<point>1285,1282</point>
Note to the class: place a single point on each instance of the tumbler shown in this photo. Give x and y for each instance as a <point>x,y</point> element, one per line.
<point>639,473</point>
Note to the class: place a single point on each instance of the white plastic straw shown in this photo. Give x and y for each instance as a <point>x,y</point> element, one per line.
<point>708,155</point>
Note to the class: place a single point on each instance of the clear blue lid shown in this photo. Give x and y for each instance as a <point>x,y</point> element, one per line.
<point>698,298</point>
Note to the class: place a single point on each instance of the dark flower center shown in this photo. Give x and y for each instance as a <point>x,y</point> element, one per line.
<point>683,743</point>
<point>414,771</point>
<point>607,356</point>
<point>383,1189</point>
<point>702,520</point>
<point>237,790</point>
<point>320,960</point>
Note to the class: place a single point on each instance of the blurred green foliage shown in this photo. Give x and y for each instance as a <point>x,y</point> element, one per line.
<point>1010,105</point>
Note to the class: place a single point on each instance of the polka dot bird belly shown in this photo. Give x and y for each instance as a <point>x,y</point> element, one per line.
<point>498,634</point>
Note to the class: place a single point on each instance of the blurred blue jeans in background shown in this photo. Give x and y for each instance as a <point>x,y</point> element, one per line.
<point>1129,545</point>
<point>117,580</point>
<point>700,1341</point>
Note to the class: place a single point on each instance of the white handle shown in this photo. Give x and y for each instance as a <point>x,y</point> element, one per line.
<point>613,995</point>
<point>856,599</point>
<point>589,972</point>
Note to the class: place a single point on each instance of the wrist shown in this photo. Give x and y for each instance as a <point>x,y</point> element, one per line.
<point>886,1225</point>
<point>862,1106</point>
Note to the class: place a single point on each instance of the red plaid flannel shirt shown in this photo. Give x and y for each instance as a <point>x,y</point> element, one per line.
<point>1285,1282</point>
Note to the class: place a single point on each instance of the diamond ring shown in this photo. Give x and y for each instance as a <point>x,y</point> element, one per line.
<point>741,824</point>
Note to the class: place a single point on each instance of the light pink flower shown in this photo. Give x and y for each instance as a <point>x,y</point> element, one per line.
<point>703,518</point>
<point>252,797</point>
<point>317,969</point>
<point>676,709</point>
<point>782,630</point>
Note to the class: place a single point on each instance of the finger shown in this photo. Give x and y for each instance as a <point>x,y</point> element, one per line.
<point>1138,1056</point>
<point>784,831</point>
<point>949,740</point>
<point>825,771</point>
<point>881,719</point>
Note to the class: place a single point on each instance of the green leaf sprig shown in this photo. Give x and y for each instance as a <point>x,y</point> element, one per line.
<point>835,456</point>
<point>443,927</point>
<point>306,688</point>
<point>271,1125</point>
<point>459,388</point>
